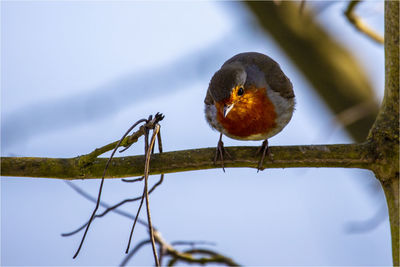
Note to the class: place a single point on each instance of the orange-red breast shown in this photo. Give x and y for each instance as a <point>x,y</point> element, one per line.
<point>249,98</point>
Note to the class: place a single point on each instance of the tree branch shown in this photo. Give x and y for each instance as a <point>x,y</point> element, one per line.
<point>346,156</point>
<point>385,131</point>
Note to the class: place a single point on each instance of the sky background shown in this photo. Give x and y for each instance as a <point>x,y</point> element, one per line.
<point>76,74</point>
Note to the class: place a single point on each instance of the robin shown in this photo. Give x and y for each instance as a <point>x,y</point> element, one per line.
<point>249,98</point>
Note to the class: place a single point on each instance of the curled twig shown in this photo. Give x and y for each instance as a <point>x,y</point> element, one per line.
<point>86,160</point>
<point>146,177</point>
<point>149,150</point>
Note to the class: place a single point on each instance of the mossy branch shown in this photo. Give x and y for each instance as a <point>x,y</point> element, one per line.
<point>346,155</point>
<point>385,131</point>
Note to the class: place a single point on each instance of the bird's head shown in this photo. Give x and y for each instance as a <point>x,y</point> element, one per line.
<point>227,86</point>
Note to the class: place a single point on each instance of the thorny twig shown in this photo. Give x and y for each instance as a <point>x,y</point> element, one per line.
<point>359,24</point>
<point>150,124</point>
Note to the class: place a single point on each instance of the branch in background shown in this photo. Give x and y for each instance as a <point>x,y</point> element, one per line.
<point>344,156</point>
<point>354,113</point>
<point>302,5</point>
<point>113,208</point>
<point>361,227</point>
<point>344,118</point>
<point>329,67</point>
<point>359,24</point>
<point>188,256</point>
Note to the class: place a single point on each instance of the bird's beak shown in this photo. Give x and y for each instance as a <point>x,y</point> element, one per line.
<point>227,108</point>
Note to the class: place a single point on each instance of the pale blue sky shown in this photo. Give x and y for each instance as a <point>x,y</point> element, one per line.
<point>75,75</point>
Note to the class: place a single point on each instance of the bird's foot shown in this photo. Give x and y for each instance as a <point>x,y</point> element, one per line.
<point>264,148</point>
<point>219,154</point>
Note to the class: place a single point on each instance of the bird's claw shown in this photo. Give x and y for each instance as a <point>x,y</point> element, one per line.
<point>264,148</point>
<point>219,153</point>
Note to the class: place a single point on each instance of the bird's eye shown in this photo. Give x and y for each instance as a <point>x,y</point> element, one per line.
<point>240,91</point>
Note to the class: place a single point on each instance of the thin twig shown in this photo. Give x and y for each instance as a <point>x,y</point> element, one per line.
<point>160,148</point>
<point>109,208</point>
<point>101,187</point>
<point>188,256</point>
<point>128,141</point>
<point>148,151</point>
<point>192,243</point>
<point>91,218</point>
<point>215,256</point>
<point>162,250</point>
<point>146,130</point>
<point>132,180</point>
<point>355,113</point>
<point>359,24</point>
<point>93,199</point>
<point>136,249</point>
<point>146,176</point>
<point>167,250</point>
<point>134,222</point>
<point>146,136</point>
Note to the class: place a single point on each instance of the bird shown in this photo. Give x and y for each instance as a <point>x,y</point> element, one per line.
<point>249,98</point>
